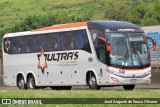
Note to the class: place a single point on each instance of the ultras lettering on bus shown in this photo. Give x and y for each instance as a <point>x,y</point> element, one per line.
<point>60,56</point>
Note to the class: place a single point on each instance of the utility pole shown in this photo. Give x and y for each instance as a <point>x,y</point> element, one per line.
<point>157,58</point>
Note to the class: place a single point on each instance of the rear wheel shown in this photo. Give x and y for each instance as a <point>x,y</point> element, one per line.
<point>21,83</point>
<point>92,83</point>
<point>31,82</point>
<point>128,87</point>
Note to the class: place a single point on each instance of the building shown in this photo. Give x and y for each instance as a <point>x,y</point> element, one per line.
<point>153,32</point>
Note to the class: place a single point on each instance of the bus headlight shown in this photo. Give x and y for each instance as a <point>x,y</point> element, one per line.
<point>114,79</point>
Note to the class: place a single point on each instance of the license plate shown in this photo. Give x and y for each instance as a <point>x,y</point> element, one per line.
<point>133,80</point>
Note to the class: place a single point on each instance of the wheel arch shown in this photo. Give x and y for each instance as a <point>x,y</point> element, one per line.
<point>19,75</point>
<point>31,73</point>
<point>92,72</point>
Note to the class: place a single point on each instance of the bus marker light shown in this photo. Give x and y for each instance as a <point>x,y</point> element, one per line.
<point>114,79</point>
<point>7,44</point>
<point>101,73</point>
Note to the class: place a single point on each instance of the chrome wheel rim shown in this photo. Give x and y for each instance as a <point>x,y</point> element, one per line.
<point>21,83</point>
<point>92,82</point>
<point>31,83</point>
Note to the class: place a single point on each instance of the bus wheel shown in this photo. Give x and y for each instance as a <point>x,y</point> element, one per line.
<point>128,87</point>
<point>21,83</point>
<point>92,83</point>
<point>31,82</point>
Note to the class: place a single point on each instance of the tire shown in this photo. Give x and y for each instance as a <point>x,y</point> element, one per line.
<point>31,82</point>
<point>21,83</point>
<point>92,83</point>
<point>128,87</point>
<point>61,87</point>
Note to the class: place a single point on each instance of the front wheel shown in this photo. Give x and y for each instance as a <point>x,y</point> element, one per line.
<point>31,82</point>
<point>128,87</point>
<point>92,83</point>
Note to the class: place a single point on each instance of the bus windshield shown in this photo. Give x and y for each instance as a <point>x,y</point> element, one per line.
<point>129,50</point>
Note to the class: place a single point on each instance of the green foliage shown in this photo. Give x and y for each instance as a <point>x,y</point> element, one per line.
<point>23,15</point>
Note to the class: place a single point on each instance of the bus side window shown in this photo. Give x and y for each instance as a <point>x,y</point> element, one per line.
<point>7,44</point>
<point>29,44</point>
<point>67,41</point>
<point>81,41</point>
<point>40,42</point>
<point>17,45</point>
<point>53,43</point>
<point>101,50</point>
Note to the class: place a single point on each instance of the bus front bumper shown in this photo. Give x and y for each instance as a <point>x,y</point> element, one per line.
<point>116,80</point>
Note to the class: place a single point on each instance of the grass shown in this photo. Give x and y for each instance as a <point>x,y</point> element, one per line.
<point>40,93</point>
<point>16,93</point>
<point>16,11</point>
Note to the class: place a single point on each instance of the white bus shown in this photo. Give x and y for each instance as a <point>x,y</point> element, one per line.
<point>93,53</point>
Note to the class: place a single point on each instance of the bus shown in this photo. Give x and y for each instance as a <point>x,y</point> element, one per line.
<point>92,53</point>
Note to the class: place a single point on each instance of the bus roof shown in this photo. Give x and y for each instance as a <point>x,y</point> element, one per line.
<point>59,27</point>
<point>62,26</point>
<point>114,26</point>
<point>109,25</point>
<point>104,25</point>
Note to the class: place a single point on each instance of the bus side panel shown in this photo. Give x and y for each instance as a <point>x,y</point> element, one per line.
<point>69,72</point>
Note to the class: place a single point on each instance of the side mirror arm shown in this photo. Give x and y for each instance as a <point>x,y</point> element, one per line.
<point>153,44</point>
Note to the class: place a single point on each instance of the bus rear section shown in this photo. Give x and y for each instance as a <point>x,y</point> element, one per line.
<point>58,57</point>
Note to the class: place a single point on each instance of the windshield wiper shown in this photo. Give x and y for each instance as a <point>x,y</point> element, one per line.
<point>139,59</point>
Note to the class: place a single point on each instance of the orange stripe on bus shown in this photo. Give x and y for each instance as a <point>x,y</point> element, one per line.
<point>62,26</point>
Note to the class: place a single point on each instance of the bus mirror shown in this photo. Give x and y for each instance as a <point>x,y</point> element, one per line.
<point>108,47</point>
<point>154,47</point>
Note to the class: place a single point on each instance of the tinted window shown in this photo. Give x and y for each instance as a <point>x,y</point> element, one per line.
<point>81,41</point>
<point>7,43</point>
<point>96,32</point>
<point>102,51</point>
<point>28,44</point>
<point>67,41</point>
<point>40,42</point>
<point>53,42</point>
<point>49,42</point>
<point>17,45</point>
